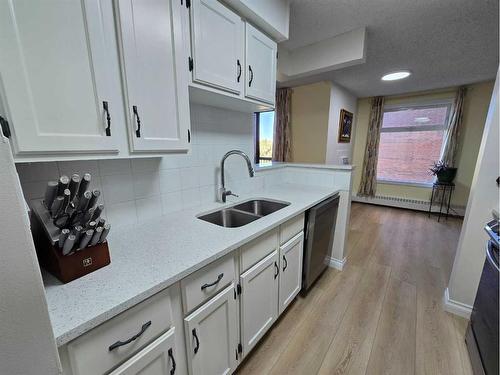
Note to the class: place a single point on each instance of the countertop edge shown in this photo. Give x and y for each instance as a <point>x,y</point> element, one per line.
<point>66,337</point>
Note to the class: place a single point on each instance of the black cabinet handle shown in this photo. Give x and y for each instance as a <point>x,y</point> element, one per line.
<point>277,269</point>
<point>219,278</point>
<point>137,120</point>
<point>117,344</point>
<point>174,365</point>
<point>251,75</point>
<point>239,70</point>
<point>286,263</point>
<point>108,118</point>
<point>197,347</point>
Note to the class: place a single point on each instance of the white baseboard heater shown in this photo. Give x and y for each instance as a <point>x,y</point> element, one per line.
<point>412,204</point>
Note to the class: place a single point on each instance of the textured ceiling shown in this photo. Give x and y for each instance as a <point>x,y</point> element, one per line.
<point>443,42</point>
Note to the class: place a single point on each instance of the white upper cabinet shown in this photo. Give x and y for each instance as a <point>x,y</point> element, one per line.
<point>291,254</point>
<point>155,74</point>
<point>56,79</point>
<point>260,71</point>
<point>217,45</point>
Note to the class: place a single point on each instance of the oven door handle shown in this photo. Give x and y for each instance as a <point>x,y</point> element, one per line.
<point>489,255</point>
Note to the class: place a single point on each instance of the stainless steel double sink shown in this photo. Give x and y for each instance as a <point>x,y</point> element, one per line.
<point>243,213</point>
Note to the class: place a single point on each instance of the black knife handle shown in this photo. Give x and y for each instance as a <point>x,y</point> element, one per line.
<point>117,344</point>
<point>108,118</point>
<point>219,278</point>
<point>137,121</point>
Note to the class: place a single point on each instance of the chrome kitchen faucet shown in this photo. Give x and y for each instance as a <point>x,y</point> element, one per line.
<point>223,193</point>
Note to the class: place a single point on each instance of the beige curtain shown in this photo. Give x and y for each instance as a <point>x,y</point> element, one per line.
<point>368,184</point>
<point>282,131</point>
<point>452,135</point>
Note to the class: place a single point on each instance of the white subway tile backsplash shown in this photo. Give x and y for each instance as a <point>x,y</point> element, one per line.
<point>170,180</point>
<point>146,185</point>
<point>132,189</point>
<point>118,188</point>
<point>171,202</point>
<point>114,166</point>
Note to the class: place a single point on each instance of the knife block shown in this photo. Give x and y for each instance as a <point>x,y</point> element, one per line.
<point>66,268</point>
<point>70,267</point>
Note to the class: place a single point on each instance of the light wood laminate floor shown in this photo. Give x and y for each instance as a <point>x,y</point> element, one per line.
<point>383,313</point>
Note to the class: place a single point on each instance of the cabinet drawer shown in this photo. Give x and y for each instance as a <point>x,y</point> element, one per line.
<point>90,354</point>
<point>205,283</point>
<point>291,228</point>
<point>258,249</point>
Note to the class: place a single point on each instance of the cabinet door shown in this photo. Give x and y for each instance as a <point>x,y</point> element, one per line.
<point>158,358</point>
<point>291,254</point>
<point>155,74</point>
<point>212,335</point>
<point>56,75</point>
<point>260,78</point>
<point>217,36</point>
<point>259,300</point>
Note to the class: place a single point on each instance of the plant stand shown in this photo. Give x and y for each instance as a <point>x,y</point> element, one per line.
<point>447,189</point>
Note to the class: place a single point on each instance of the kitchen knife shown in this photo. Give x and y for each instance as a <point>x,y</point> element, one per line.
<point>62,237</point>
<point>84,200</point>
<point>100,222</point>
<point>84,185</point>
<point>56,206</point>
<point>68,244</point>
<point>94,198</point>
<point>67,197</point>
<point>50,194</point>
<point>77,231</point>
<point>96,236</point>
<point>86,237</point>
<point>105,232</point>
<point>97,212</point>
<point>92,225</point>
<point>63,184</point>
<point>73,185</point>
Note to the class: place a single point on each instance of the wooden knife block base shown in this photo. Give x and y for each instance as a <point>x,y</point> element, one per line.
<point>70,267</point>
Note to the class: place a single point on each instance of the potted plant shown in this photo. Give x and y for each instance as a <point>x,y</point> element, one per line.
<point>443,172</point>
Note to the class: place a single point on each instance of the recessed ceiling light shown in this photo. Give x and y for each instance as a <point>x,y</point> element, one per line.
<point>396,75</point>
<point>422,120</point>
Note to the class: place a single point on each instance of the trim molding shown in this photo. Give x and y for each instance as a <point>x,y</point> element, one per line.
<point>412,204</point>
<point>455,307</point>
<point>336,263</point>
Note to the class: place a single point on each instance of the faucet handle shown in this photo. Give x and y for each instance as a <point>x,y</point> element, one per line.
<point>229,192</point>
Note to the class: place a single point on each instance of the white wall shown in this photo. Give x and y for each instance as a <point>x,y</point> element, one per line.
<point>340,99</point>
<point>470,255</point>
<point>27,344</point>
<point>137,189</point>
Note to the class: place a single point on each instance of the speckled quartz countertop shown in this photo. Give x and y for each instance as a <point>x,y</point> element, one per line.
<point>148,257</point>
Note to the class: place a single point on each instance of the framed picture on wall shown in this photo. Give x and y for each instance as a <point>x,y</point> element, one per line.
<point>345,126</point>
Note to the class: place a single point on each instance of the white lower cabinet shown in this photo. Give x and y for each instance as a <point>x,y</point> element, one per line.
<point>291,255</point>
<point>158,358</point>
<point>259,300</point>
<point>212,335</point>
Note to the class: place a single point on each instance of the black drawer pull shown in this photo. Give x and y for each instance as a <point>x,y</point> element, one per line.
<point>137,120</point>
<point>197,347</point>
<point>239,70</point>
<point>286,263</point>
<point>174,365</point>
<point>251,75</point>
<point>117,344</point>
<point>219,278</point>
<point>108,118</point>
<point>277,270</point>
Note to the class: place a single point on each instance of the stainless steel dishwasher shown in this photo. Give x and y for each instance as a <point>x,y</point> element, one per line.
<point>319,233</point>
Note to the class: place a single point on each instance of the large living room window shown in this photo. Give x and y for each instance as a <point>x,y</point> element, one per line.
<point>410,141</point>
